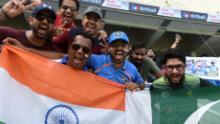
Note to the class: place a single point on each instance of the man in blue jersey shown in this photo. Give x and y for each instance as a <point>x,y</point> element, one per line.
<point>114,66</point>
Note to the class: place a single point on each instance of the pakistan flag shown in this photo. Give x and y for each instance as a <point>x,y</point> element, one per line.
<point>200,105</point>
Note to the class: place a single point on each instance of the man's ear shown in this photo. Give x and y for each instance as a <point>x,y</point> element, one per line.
<point>130,48</point>
<point>127,50</point>
<point>30,20</point>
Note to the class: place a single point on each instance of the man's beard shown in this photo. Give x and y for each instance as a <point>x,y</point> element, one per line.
<point>176,85</point>
<point>123,57</point>
<point>35,32</point>
<point>138,62</point>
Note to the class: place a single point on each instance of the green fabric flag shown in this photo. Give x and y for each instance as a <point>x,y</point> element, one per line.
<point>176,106</point>
<point>1,122</point>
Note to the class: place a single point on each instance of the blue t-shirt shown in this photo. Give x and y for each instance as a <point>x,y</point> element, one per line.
<point>103,66</point>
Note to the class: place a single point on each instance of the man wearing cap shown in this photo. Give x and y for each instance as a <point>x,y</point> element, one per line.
<point>41,22</point>
<point>114,66</point>
<point>91,23</point>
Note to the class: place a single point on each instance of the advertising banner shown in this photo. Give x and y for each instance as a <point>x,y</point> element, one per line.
<point>95,2</point>
<point>117,4</point>
<point>145,9</point>
<point>194,16</point>
<point>213,18</point>
<point>169,12</point>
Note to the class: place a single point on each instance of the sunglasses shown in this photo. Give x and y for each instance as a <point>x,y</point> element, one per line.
<point>72,9</point>
<point>178,67</point>
<point>76,47</point>
<point>42,17</point>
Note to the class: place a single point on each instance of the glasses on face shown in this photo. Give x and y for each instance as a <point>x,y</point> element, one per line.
<point>65,7</point>
<point>76,47</point>
<point>178,67</point>
<point>42,17</point>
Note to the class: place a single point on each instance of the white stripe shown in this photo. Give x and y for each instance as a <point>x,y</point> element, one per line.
<point>20,105</point>
<point>138,107</point>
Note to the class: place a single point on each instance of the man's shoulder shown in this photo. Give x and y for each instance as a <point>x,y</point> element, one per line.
<point>10,29</point>
<point>161,83</point>
<point>97,60</point>
<point>191,81</point>
<point>191,77</point>
<point>130,65</point>
<point>102,56</point>
<point>160,80</point>
<point>149,62</point>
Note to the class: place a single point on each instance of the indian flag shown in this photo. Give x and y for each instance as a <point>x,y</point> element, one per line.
<point>35,90</point>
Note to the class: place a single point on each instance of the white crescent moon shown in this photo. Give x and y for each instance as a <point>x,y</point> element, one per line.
<point>196,116</point>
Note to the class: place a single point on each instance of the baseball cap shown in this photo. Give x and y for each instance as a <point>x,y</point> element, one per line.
<point>42,7</point>
<point>94,9</point>
<point>118,35</point>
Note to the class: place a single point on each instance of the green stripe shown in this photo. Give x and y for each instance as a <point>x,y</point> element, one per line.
<point>175,106</point>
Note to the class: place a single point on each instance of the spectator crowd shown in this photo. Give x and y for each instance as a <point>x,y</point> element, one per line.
<point>55,35</point>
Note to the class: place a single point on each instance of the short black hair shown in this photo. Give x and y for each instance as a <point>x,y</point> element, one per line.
<point>138,46</point>
<point>150,48</point>
<point>174,54</point>
<point>84,34</point>
<point>77,4</point>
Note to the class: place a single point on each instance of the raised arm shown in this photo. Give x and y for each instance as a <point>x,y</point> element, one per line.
<point>14,8</point>
<point>177,40</point>
<point>44,53</point>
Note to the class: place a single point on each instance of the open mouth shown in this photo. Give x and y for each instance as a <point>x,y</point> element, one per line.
<point>42,31</point>
<point>76,61</point>
<point>119,55</point>
<point>43,28</point>
<point>175,78</point>
<point>91,27</point>
<point>68,18</point>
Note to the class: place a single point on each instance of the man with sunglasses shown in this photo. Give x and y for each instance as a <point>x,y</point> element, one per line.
<point>114,66</point>
<point>175,78</point>
<point>79,51</point>
<point>41,22</point>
